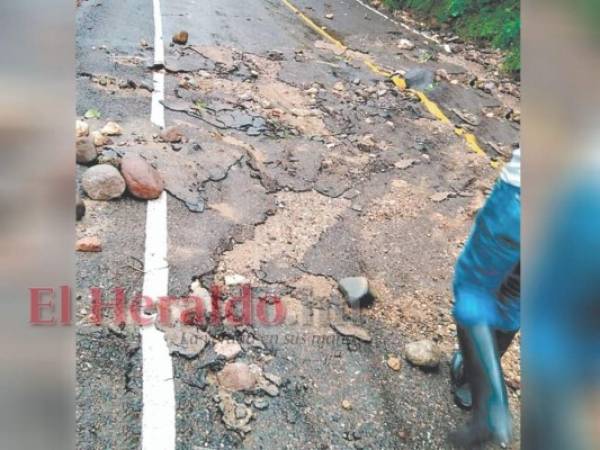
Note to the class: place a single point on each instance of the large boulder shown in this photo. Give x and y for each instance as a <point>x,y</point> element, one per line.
<point>143,180</point>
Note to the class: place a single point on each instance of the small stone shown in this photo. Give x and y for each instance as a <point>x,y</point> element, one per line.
<point>347,405</point>
<point>276,380</point>
<point>329,16</point>
<point>112,129</point>
<point>85,150</point>
<point>172,135</point>
<point>339,86</point>
<point>110,156</point>
<point>81,128</point>
<point>143,180</point>
<point>237,377</point>
<point>261,403</point>
<point>424,353</point>
<point>404,163</point>
<point>394,363</point>
<point>418,78</point>
<point>103,182</point>
<point>349,329</point>
<point>100,140</point>
<point>356,290</point>
<point>229,349</point>
<point>89,244</point>
<point>181,37</point>
<point>405,44</point>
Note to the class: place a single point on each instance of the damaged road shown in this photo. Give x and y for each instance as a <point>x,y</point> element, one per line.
<point>290,166</point>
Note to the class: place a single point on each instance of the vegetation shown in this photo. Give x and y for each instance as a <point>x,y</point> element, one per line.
<point>495,22</point>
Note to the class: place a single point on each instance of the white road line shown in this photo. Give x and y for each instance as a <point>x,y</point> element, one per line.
<point>158,414</point>
<point>159,45</point>
<point>403,25</point>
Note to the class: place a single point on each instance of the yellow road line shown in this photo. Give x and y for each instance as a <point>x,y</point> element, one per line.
<point>398,81</point>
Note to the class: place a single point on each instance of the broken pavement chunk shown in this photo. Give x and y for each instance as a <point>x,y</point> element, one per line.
<point>187,341</point>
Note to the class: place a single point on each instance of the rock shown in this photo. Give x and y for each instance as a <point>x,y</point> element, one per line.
<point>440,196</point>
<point>356,290</point>
<point>100,140</point>
<point>405,44</point>
<point>349,329</point>
<point>339,86</point>
<point>181,37</point>
<point>329,16</point>
<point>237,377</point>
<point>103,182</point>
<point>424,353</point>
<point>112,129</point>
<point>404,163</point>
<point>187,341</point>
<point>172,135</point>
<point>394,363</point>
<point>143,180</point>
<point>235,280</point>
<point>229,349</point>
<point>261,403</point>
<point>85,150</point>
<point>110,156</point>
<point>347,405</point>
<point>420,79</point>
<point>236,416</point>
<point>89,244</point>
<point>81,128</point>
<point>276,380</point>
<point>79,208</point>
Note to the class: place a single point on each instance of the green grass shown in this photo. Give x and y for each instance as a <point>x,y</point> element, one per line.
<point>493,22</point>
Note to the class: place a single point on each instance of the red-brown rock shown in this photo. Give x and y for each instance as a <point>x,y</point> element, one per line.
<point>143,180</point>
<point>236,377</point>
<point>89,244</point>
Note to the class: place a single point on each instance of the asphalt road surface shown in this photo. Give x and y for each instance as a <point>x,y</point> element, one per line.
<point>300,165</point>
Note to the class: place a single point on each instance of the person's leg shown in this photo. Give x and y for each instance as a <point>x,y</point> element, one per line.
<point>490,255</point>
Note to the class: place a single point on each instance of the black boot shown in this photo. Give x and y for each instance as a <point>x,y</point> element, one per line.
<point>491,419</point>
<point>460,384</point>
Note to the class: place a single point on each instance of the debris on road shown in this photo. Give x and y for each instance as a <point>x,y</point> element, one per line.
<point>100,140</point>
<point>229,349</point>
<point>181,37</point>
<point>81,128</point>
<point>143,180</point>
<point>236,416</point>
<point>172,135</point>
<point>394,363</point>
<point>421,79</point>
<point>329,16</point>
<point>112,129</point>
<point>235,280</point>
<point>351,330</point>
<point>424,353</point>
<point>346,404</point>
<point>440,196</point>
<point>406,44</point>
<point>404,164</point>
<point>89,244</point>
<point>103,182</point>
<point>237,377</point>
<point>85,150</point>
<point>187,341</point>
<point>356,290</point>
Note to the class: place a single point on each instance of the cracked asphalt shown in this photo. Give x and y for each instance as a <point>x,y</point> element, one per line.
<point>299,166</point>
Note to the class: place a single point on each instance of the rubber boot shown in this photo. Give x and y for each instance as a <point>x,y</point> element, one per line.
<point>491,419</point>
<point>460,384</point>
